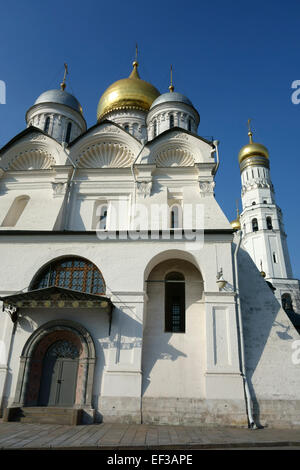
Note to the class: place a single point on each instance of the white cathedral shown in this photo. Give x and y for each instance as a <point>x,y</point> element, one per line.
<point>105,319</point>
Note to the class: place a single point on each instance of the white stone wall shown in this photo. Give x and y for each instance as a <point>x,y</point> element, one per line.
<point>269,337</point>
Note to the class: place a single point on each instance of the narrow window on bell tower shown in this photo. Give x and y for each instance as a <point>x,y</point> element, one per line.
<point>254,225</point>
<point>269,223</point>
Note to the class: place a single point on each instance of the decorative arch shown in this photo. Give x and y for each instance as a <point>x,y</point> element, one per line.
<point>70,272</point>
<point>168,255</point>
<point>105,155</point>
<point>32,159</point>
<point>174,157</point>
<point>31,361</point>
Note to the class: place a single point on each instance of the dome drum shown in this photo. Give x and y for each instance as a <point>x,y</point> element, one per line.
<point>171,110</point>
<point>255,160</point>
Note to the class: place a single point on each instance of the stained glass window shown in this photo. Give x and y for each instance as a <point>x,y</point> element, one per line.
<point>71,273</point>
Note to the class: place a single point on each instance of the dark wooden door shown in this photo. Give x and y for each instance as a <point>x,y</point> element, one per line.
<point>59,376</point>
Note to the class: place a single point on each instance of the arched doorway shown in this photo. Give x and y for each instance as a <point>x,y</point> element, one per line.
<point>57,367</point>
<point>59,375</point>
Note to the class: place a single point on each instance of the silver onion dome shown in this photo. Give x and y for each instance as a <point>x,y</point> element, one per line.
<point>60,97</point>
<point>171,97</point>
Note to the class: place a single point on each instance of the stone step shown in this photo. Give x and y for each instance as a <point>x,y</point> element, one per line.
<point>43,415</point>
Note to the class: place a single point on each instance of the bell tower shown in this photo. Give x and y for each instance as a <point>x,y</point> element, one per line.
<point>261,221</point>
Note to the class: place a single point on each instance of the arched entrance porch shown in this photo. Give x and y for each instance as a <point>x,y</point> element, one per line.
<point>57,367</point>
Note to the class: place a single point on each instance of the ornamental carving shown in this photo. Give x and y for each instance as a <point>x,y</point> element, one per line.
<point>144,188</point>
<point>174,157</point>
<point>256,184</point>
<point>109,129</point>
<point>180,135</point>
<point>58,189</point>
<point>206,188</point>
<point>37,137</point>
<point>33,159</point>
<point>105,155</point>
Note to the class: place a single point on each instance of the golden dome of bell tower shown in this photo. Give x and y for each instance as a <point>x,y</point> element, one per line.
<point>253,154</point>
<point>130,93</point>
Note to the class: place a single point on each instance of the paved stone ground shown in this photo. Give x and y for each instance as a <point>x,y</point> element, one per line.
<point>123,436</point>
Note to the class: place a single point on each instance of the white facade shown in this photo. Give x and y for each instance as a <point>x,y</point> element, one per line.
<point>132,368</point>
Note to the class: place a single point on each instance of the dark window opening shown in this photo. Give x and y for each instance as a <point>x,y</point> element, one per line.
<point>254,225</point>
<point>286,302</point>
<point>47,124</point>
<point>269,223</point>
<point>189,125</point>
<point>171,120</point>
<point>68,133</point>
<point>174,303</point>
<point>175,216</point>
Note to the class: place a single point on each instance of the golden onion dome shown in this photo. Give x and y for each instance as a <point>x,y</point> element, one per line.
<point>127,93</point>
<point>253,149</point>
<point>235,224</point>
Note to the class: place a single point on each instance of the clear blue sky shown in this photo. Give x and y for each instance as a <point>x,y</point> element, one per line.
<point>234,59</point>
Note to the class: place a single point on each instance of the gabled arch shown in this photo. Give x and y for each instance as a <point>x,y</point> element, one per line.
<point>177,147</point>
<point>106,145</point>
<point>32,149</point>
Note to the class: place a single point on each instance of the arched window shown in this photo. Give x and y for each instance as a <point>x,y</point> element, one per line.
<point>126,127</point>
<point>274,257</point>
<point>47,124</point>
<point>71,273</point>
<point>15,211</point>
<point>174,303</point>
<point>68,133</point>
<point>253,203</point>
<point>171,120</point>
<point>189,125</point>
<point>175,216</point>
<point>254,225</point>
<point>154,128</point>
<point>286,302</point>
<point>269,223</point>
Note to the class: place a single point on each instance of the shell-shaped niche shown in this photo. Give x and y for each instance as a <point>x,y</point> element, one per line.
<point>34,159</point>
<point>174,157</point>
<point>105,155</point>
